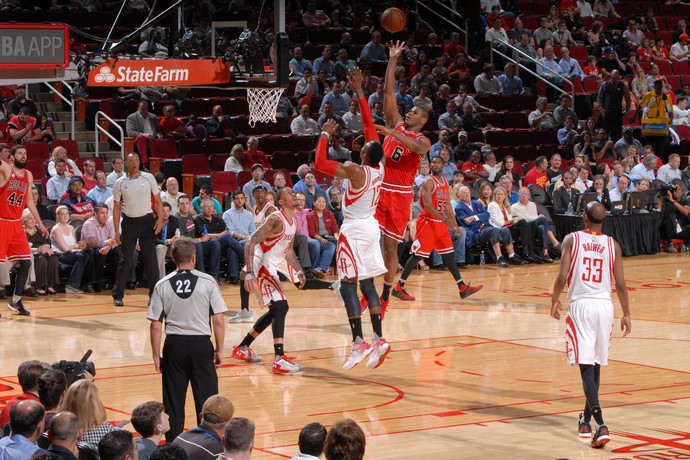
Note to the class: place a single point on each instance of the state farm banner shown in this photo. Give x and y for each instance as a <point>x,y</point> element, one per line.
<point>168,72</point>
<point>34,46</point>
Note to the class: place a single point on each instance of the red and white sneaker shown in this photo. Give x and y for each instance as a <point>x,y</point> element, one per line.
<point>245,355</point>
<point>360,350</point>
<point>282,365</point>
<point>365,304</point>
<point>601,437</point>
<point>400,293</point>
<point>380,349</point>
<point>584,429</point>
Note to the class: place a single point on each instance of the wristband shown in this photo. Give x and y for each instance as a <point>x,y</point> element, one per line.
<point>324,133</point>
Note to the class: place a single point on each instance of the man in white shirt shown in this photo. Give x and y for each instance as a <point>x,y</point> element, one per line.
<point>304,124</point>
<point>670,170</point>
<point>542,118</point>
<point>59,183</point>
<point>569,67</point>
<point>616,194</point>
<point>497,32</point>
<point>172,194</point>
<point>352,118</point>
<point>644,169</point>
<point>681,114</point>
<point>680,49</point>
<point>486,82</point>
<point>553,74</point>
<point>490,164</point>
<point>585,9</point>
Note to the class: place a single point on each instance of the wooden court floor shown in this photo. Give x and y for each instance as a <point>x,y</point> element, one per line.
<point>480,378</point>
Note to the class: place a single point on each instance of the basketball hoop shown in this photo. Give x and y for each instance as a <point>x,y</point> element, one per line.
<point>263,103</point>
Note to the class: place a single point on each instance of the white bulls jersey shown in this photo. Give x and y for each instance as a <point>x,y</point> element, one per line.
<point>591,268</point>
<point>260,216</point>
<point>272,251</point>
<point>361,203</point>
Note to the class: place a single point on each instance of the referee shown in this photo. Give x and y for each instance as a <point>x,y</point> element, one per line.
<point>189,301</point>
<point>132,198</point>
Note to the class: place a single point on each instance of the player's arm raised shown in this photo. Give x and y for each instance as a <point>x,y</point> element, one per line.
<point>354,77</point>
<point>621,289</point>
<point>29,197</point>
<point>562,277</point>
<point>390,103</point>
<point>350,170</point>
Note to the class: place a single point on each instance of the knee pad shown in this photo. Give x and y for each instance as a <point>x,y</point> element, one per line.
<point>369,291</point>
<point>263,322</point>
<point>348,291</point>
<point>280,309</point>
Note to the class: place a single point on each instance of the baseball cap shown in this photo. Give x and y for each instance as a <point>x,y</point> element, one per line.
<point>462,133</point>
<point>684,37</point>
<point>628,129</point>
<point>258,187</point>
<point>217,409</point>
<point>486,148</point>
<point>609,49</point>
<point>74,180</point>
<point>257,166</point>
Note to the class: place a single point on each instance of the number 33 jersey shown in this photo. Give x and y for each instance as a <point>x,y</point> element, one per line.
<point>186,300</point>
<point>591,267</point>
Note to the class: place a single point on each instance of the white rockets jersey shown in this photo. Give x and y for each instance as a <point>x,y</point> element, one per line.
<point>260,217</point>
<point>591,268</point>
<point>273,250</point>
<point>361,203</point>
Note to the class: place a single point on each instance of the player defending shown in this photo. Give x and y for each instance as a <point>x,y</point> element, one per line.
<point>15,195</point>
<point>432,233</point>
<point>589,260</point>
<point>404,148</point>
<point>268,252</point>
<point>260,212</point>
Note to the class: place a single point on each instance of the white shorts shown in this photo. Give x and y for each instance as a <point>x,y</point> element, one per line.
<point>359,252</point>
<point>270,286</point>
<point>588,329</point>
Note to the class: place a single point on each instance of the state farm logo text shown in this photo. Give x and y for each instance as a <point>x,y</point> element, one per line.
<point>127,74</point>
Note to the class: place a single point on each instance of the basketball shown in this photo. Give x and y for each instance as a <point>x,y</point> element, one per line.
<point>393,20</point>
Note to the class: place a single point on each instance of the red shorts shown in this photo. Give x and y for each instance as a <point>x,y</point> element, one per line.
<point>431,235</point>
<point>393,213</point>
<point>13,243</point>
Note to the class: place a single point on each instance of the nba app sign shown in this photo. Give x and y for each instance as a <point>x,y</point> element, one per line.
<point>27,46</point>
<point>172,72</point>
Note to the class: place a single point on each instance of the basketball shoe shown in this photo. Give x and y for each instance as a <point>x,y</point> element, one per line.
<point>244,316</point>
<point>282,365</point>
<point>18,308</point>
<point>601,437</point>
<point>469,290</point>
<point>400,293</point>
<point>380,349</point>
<point>584,429</point>
<point>245,355</point>
<point>360,350</point>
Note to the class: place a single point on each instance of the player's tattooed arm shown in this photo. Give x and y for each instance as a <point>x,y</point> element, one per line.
<point>272,226</point>
<point>293,262</point>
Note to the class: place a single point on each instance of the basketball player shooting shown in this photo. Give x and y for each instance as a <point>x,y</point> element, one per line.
<point>404,147</point>
<point>588,262</point>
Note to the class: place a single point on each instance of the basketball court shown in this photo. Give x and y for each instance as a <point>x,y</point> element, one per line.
<point>481,378</point>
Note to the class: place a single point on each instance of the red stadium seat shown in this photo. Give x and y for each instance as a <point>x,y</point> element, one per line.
<point>37,150</point>
<point>507,103</point>
<point>591,84</point>
<point>497,138</point>
<point>218,145</point>
<point>164,148</point>
<point>191,147</point>
<point>681,68</point>
<point>515,120</point>
<point>196,164</point>
<point>217,161</point>
<point>664,67</point>
<point>224,181</point>
<point>284,160</point>
<point>520,137</point>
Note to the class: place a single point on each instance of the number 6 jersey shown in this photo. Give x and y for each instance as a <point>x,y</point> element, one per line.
<point>591,267</point>
<point>13,195</point>
<point>401,163</point>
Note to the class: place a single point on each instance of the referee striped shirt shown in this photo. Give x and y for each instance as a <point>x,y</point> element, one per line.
<point>185,300</point>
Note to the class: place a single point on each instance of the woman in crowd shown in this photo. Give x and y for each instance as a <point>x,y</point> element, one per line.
<point>83,401</point>
<point>641,83</point>
<point>71,252</point>
<point>644,51</point>
<point>632,159</point>
<point>593,36</point>
<point>486,192</point>
<point>38,199</point>
<point>46,264</point>
<point>61,152</point>
<point>46,125</point>
<point>644,184</point>
<point>509,168</point>
<point>585,148</point>
<point>324,229</point>
<point>323,83</point>
<point>422,59</point>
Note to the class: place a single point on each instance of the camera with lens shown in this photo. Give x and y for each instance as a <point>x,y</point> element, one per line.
<point>663,191</point>
<point>74,370</point>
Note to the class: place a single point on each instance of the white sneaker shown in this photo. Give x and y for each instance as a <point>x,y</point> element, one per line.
<point>245,355</point>
<point>360,350</point>
<point>380,349</point>
<point>73,289</point>
<point>335,286</point>
<point>282,365</point>
<point>244,316</point>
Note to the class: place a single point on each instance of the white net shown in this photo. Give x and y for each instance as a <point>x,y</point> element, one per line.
<point>263,103</point>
